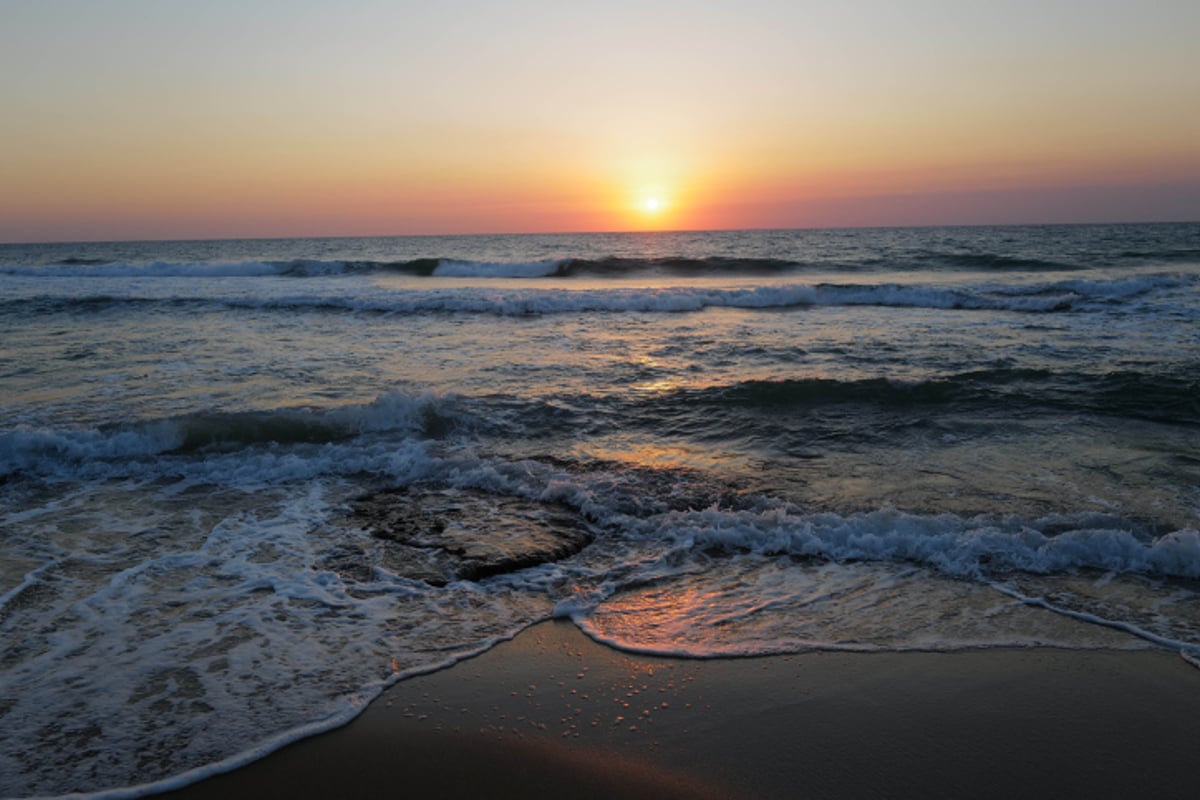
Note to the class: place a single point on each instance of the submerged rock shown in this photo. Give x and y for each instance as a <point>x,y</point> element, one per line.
<point>439,535</point>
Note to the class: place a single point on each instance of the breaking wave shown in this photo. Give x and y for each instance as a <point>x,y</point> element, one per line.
<point>614,267</point>
<point>1050,297</point>
<point>106,451</point>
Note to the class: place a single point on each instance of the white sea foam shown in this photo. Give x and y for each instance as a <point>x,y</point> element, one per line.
<point>746,606</point>
<point>387,436</point>
<point>47,451</point>
<point>955,545</point>
<point>394,411</point>
<point>887,580</point>
<point>680,299</point>
<point>252,614</point>
<point>412,299</point>
<point>1095,619</point>
<point>130,449</point>
<point>517,300</point>
<point>254,642</point>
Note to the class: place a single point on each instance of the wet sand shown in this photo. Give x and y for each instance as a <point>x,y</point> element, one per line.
<point>551,712</point>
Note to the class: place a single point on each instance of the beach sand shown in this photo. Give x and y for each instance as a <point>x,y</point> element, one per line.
<point>552,713</point>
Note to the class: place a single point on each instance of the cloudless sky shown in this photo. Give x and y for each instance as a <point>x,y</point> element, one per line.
<point>138,119</point>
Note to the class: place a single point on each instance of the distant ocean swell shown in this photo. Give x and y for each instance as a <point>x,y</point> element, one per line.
<point>454,268</point>
<point>608,267</point>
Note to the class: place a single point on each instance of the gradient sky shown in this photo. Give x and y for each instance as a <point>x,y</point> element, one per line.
<point>122,119</point>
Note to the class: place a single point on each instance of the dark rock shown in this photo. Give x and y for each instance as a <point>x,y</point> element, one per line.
<point>439,535</point>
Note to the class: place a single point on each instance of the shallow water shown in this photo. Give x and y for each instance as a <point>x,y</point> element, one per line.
<point>771,441</point>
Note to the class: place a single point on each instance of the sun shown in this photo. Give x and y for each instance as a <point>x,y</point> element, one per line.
<point>651,207</point>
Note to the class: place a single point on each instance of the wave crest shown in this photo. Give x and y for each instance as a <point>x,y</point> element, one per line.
<point>53,453</point>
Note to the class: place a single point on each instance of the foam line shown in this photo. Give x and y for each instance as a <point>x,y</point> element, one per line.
<point>1083,616</point>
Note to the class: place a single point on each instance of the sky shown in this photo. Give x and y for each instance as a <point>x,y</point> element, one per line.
<point>132,119</point>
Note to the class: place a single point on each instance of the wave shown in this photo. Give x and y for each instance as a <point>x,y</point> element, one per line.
<point>483,269</point>
<point>676,265</point>
<point>1000,250</point>
<point>89,268</point>
<point>986,546</point>
<point>729,265</point>
<point>1173,397</point>
<point>81,260</point>
<point>780,580</point>
<point>970,547</point>
<point>93,450</point>
<point>987,262</point>
<point>1167,396</point>
<point>1187,255</point>
<point>616,267</point>
<point>605,267</point>
<point>1052,297</point>
<point>566,267</point>
<point>419,267</point>
<point>295,268</point>
<point>954,545</point>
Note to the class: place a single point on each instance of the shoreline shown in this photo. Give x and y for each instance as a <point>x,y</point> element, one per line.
<point>553,710</point>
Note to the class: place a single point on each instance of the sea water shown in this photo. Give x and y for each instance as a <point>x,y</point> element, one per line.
<point>246,485</point>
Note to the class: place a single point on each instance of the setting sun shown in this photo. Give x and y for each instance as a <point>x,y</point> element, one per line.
<point>652,208</point>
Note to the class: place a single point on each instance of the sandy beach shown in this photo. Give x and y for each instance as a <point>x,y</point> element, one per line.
<point>553,712</point>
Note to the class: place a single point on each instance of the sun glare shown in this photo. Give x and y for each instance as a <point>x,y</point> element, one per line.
<point>651,205</point>
<point>651,211</point>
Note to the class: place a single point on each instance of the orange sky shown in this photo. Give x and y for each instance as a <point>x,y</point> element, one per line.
<point>177,120</point>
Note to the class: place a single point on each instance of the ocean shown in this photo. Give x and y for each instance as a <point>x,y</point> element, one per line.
<point>247,485</point>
